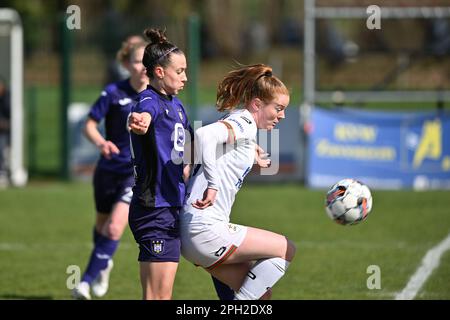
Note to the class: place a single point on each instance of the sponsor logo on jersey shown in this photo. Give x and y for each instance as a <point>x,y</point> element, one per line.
<point>246,172</point>
<point>233,228</point>
<point>124,101</point>
<point>246,120</point>
<point>157,246</point>
<point>237,123</point>
<point>179,138</point>
<point>240,181</point>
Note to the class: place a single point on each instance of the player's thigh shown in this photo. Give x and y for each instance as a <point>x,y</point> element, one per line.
<point>117,221</point>
<point>232,275</point>
<point>157,278</point>
<point>260,244</point>
<point>209,245</point>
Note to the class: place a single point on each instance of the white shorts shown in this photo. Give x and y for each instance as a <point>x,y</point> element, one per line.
<point>208,245</point>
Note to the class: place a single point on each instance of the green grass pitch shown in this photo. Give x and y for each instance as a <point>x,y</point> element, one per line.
<point>46,227</point>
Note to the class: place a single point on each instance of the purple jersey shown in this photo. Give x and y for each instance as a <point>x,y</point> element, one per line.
<point>158,155</point>
<point>114,105</point>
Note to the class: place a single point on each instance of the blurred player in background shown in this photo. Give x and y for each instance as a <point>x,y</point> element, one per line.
<point>247,259</point>
<point>158,141</point>
<point>116,70</point>
<point>113,177</point>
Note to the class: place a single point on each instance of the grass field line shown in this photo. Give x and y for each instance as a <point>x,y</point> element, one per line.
<point>430,262</point>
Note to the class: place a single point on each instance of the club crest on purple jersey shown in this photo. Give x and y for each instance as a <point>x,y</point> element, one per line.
<point>157,246</point>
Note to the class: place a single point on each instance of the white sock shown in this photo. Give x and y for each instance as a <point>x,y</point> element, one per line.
<point>261,277</point>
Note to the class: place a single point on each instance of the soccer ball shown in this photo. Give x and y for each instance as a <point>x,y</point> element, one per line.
<point>348,202</point>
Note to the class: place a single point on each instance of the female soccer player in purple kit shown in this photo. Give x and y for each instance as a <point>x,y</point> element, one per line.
<point>157,145</point>
<point>157,124</point>
<point>113,177</point>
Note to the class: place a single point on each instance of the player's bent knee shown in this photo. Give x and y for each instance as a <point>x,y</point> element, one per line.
<point>164,297</point>
<point>267,295</point>
<point>114,231</point>
<point>291,249</point>
<point>157,297</point>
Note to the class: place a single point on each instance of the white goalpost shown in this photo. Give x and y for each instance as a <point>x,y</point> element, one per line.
<point>11,34</point>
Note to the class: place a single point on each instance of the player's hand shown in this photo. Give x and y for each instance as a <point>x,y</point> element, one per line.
<point>261,157</point>
<point>139,122</point>
<point>108,148</point>
<point>209,196</point>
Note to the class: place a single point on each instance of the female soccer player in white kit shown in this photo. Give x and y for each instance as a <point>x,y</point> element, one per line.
<point>249,260</point>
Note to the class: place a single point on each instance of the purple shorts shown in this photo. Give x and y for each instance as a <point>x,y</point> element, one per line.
<point>110,188</point>
<point>157,232</point>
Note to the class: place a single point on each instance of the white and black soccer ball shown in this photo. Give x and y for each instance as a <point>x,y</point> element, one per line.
<point>348,202</point>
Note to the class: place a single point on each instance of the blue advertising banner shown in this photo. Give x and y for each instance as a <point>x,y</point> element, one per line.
<point>385,150</point>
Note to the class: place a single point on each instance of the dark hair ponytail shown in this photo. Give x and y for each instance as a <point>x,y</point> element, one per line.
<point>158,51</point>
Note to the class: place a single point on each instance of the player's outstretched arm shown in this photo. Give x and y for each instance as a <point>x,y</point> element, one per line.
<point>139,123</point>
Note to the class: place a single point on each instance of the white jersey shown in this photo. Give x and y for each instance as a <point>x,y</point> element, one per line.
<point>233,162</point>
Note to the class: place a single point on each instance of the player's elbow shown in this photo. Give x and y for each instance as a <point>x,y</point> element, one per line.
<point>88,128</point>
